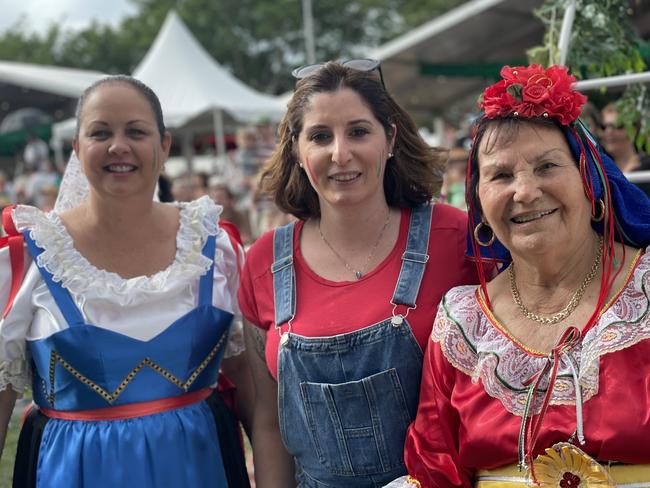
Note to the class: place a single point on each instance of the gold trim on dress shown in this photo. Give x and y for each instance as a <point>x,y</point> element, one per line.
<point>412,481</point>
<point>55,358</point>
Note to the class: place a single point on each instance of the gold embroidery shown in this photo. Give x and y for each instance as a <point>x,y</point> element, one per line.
<point>111,397</point>
<point>413,481</point>
<point>568,466</point>
<point>49,398</point>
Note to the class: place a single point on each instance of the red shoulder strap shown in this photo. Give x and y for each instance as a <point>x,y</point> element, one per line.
<point>235,239</point>
<point>15,241</point>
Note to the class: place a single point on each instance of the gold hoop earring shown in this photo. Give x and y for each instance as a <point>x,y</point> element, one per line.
<point>477,230</point>
<point>602,212</point>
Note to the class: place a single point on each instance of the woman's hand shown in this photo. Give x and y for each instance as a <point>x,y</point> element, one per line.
<point>274,466</point>
<point>236,369</point>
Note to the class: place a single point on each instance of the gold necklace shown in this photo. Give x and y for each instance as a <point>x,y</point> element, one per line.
<point>357,273</point>
<point>573,303</point>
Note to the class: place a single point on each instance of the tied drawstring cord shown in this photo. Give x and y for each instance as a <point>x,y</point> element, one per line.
<point>531,425</point>
<point>576,382</point>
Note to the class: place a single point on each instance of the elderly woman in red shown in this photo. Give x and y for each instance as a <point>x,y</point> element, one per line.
<point>541,375</point>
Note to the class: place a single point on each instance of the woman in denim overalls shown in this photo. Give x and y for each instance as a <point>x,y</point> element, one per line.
<point>338,297</point>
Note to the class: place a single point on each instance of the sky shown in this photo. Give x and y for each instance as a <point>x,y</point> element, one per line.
<point>70,14</point>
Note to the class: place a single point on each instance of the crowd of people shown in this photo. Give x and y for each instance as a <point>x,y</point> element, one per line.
<point>371,310</point>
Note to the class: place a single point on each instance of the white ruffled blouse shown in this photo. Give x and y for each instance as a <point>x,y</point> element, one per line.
<point>140,307</point>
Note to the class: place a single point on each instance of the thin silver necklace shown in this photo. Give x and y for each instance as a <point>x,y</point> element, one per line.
<point>358,273</point>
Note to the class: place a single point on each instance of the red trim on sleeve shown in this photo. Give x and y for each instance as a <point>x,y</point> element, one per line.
<point>15,241</point>
<point>235,240</point>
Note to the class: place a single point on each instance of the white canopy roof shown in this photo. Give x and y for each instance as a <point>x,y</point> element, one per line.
<point>478,33</point>
<point>189,82</point>
<point>436,68</point>
<point>67,82</point>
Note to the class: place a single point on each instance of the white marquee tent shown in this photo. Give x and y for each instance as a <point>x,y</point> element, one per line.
<point>67,82</point>
<point>191,84</point>
<point>194,90</point>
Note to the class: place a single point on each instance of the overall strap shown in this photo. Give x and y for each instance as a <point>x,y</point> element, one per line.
<point>207,280</point>
<point>284,275</point>
<point>61,296</point>
<point>14,240</point>
<point>414,258</point>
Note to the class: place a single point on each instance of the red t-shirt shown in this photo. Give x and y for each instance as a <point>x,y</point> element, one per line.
<point>327,308</point>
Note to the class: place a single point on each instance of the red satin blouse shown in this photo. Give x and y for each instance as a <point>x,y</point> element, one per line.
<point>472,393</point>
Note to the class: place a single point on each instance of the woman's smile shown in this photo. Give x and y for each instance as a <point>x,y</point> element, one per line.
<point>346,178</point>
<point>525,218</point>
<point>120,168</point>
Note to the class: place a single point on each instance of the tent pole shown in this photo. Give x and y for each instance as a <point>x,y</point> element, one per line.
<point>188,150</point>
<point>57,145</point>
<point>308,26</point>
<point>565,30</point>
<point>219,137</point>
<point>610,81</point>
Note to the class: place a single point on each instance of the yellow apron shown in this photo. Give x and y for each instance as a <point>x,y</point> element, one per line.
<point>624,475</point>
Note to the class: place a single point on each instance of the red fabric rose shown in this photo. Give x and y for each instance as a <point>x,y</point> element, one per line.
<point>533,91</point>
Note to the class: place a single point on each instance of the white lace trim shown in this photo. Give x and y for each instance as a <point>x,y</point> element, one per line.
<point>475,346</point>
<point>74,186</point>
<point>402,482</point>
<point>15,373</point>
<point>198,219</point>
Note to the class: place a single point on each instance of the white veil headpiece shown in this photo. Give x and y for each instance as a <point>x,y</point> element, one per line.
<point>74,188</point>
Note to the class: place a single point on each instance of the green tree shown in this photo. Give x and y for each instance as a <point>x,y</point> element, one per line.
<point>18,44</point>
<point>603,43</point>
<point>258,40</point>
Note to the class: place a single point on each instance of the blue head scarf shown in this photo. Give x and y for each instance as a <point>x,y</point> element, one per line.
<point>622,201</point>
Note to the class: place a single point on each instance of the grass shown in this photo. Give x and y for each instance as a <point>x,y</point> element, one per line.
<point>9,452</point>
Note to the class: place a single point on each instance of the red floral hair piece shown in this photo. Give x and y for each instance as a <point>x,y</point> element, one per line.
<point>533,91</point>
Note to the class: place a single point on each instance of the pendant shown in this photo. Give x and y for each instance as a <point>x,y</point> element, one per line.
<point>397,320</point>
<point>284,339</point>
<point>358,274</point>
<point>567,466</point>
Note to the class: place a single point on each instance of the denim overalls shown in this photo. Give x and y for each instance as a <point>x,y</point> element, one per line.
<point>345,401</point>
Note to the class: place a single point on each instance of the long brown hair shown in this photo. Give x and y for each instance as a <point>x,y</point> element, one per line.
<point>413,175</point>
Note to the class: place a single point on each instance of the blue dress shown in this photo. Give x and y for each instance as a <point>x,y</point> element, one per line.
<point>85,367</point>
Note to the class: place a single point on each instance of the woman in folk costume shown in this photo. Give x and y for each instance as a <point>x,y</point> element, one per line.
<point>123,316</point>
<point>541,375</point>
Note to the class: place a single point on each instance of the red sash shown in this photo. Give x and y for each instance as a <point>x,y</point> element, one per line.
<point>131,410</point>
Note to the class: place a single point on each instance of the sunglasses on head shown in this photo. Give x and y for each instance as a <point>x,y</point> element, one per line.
<point>357,64</point>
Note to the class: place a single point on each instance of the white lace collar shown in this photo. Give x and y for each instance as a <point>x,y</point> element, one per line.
<point>477,345</point>
<point>198,219</point>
